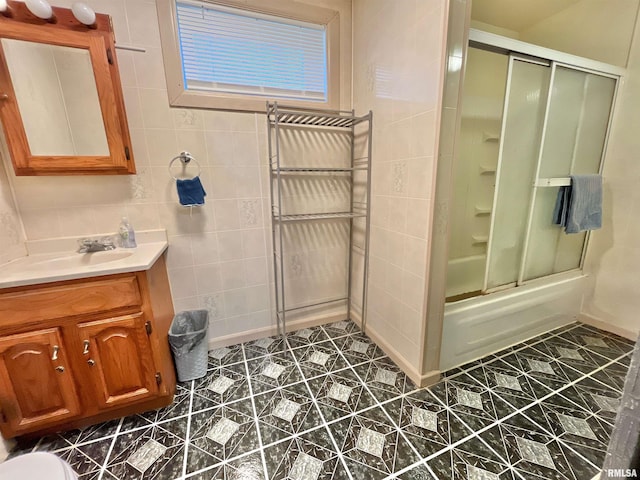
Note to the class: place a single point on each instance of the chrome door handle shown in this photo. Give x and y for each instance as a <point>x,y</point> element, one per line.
<point>54,357</point>
<point>85,350</point>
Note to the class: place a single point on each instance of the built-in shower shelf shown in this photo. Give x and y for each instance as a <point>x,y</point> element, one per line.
<point>482,211</point>
<point>487,170</point>
<point>480,239</point>
<point>490,137</point>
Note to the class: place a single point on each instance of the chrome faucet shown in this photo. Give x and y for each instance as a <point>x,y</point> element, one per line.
<point>90,245</point>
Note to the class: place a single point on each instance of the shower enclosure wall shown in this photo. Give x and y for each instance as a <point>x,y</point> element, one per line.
<point>527,124</point>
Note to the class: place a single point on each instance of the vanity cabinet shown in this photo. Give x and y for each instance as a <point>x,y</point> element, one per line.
<point>36,380</point>
<point>118,353</point>
<point>83,351</point>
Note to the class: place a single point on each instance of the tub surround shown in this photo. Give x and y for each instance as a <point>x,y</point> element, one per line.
<point>56,260</point>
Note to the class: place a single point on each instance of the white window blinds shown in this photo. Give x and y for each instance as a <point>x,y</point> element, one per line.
<point>237,51</point>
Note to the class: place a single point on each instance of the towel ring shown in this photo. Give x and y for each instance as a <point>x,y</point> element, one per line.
<point>185,158</point>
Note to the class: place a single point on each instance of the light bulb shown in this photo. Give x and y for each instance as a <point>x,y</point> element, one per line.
<point>84,13</point>
<point>40,8</point>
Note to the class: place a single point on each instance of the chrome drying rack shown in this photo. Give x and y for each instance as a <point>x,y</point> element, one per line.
<point>328,120</point>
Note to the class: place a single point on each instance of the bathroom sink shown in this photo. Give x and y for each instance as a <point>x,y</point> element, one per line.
<point>82,259</point>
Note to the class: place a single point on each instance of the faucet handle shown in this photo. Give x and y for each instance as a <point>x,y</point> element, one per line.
<point>107,241</point>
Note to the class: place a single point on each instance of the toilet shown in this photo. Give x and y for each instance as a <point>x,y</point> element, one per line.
<point>35,466</point>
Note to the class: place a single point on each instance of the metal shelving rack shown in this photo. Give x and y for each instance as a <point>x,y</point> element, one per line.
<point>279,116</point>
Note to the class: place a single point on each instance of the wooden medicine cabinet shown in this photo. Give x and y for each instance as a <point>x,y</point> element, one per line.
<point>61,103</point>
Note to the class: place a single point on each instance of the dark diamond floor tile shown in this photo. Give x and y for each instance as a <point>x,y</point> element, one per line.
<point>341,329</point>
<point>630,342</point>
<point>598,341</point>
<point>306,336</point>
<point>319,359</point>
<point>248,467</point>
<point>62,440</point>
<point>545,369</point>
<point>225,356</point>
<point>461,369</point>
<point>179,407</point>
<point>568,353</point>
<point>419,472</point>
<point>340,394</point>
<point>463,464</point>
<point>371,445</point>
<point>581,430</point>
<point>84,467</point>
<point>384,379</point>
<point>509,384</point>
<point>625,361</point>
<point>427,424</point>
<point>473,403</point>
<point>565,328</point>
<point>358,348</point>
<point>595,397</point>
<point>285,412</point>
<point>97,451</point>
<point>224,384</point>
<point>264,346</point>
<point>221,434</point>
<point>311,456</point>
<point>273,371</point>
<point>146,454</point>
<point>534,454</point>
<point>613,376</point>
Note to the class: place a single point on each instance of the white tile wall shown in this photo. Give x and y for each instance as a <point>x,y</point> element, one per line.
<point>613,256</point>
<point>219,256</point>
<point>398,74</point>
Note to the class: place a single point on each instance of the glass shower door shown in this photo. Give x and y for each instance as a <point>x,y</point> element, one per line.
<point>522,126</point>
<point>577,122</point>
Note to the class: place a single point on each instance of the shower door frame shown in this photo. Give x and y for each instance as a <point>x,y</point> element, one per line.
<point>525,52</point>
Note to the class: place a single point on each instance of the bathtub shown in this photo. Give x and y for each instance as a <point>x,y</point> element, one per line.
<point>478,326</point>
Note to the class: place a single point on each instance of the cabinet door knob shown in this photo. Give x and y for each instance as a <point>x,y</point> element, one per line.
<point>60,368</point>
<point>85,350</point>
<point>54,356</point>
<point>91,362</point>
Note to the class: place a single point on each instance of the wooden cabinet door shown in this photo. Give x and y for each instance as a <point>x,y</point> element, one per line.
<point>118,355</point>
<point>36,381</point>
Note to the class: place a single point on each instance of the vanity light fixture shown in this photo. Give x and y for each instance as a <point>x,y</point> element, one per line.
<point>4,8</point>
<point>41,9</point>
<point>84,14</point>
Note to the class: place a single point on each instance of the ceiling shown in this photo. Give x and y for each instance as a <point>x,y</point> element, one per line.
<point>516,15</point>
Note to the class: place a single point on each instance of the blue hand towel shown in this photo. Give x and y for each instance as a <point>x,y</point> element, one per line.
<point>579,206</point>
<point>190,192</point>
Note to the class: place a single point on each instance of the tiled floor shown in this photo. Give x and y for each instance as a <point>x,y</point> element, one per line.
<point>332,405</point>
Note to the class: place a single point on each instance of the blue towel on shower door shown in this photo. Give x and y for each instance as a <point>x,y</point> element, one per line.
<point>579,206</point>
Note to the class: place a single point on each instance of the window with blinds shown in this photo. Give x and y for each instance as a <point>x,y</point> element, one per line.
<point>236,51</point>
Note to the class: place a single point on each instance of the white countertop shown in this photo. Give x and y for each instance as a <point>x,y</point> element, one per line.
<point>56,260</point>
